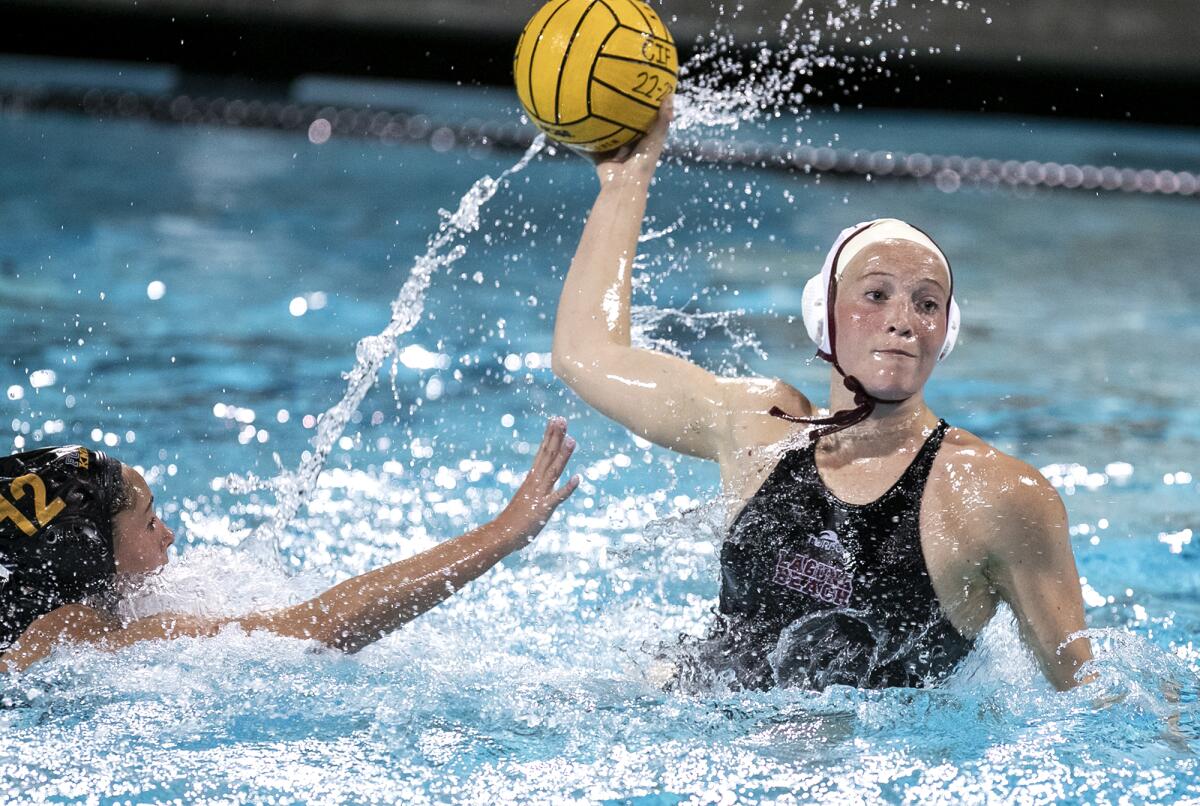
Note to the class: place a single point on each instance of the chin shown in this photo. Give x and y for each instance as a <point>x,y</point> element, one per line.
<point>892,388</point>
<point>893,395</point>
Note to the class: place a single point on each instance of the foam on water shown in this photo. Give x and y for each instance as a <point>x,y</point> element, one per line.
<point>497,695</point>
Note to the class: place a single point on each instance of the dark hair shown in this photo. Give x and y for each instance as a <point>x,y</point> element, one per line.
<point>126,495</point>
<point>56,536</point>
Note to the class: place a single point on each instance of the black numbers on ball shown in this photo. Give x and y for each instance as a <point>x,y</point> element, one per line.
<point>650,86</point>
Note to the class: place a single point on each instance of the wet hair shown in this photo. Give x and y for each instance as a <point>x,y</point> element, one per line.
<point>56,531</point>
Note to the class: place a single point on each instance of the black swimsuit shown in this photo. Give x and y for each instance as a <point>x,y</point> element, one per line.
<point>816,591</point>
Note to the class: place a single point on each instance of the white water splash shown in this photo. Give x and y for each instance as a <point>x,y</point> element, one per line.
<point>186,586</point>
<point>293,488</point>
<point>650,328</point>
<point>724,92</point>
<point>743,76</point>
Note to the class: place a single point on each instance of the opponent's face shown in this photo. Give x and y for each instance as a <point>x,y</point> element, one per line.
<point>891,317</point>
<point>140,539</point>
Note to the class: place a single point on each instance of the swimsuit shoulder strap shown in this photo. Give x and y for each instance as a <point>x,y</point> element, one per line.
<point>923,464</point>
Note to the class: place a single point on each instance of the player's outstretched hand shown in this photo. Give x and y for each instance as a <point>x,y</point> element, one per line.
<point>538,496</point>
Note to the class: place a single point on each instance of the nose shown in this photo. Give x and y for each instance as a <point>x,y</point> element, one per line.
<point>900,320</point>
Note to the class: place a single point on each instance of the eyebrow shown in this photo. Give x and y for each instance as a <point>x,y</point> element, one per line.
<point>150,503</point>
<point>889,274</point>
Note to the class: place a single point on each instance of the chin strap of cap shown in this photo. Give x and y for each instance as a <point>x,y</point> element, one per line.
<point>864,405</point>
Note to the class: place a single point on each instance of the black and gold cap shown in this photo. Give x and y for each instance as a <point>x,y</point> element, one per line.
<point>56,531</point>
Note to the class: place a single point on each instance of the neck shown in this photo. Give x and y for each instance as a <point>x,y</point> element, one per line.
<point>890,427</point>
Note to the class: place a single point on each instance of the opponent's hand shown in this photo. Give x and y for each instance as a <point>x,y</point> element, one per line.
<point>638,159</point>
<point>536,498</point>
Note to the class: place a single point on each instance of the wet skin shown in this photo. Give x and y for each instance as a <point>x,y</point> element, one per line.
<point>140,538</point>
<point>992,528</point>
<point>891,317</point>
<point>349,615</point>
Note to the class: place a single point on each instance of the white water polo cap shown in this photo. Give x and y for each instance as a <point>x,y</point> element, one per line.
<point>850,242</point>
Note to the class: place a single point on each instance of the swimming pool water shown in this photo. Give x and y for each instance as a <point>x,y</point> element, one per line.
<point>539,682</point>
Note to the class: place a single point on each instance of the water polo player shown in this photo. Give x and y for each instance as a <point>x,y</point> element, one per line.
<point>866,547</point>
<point>75,525</point>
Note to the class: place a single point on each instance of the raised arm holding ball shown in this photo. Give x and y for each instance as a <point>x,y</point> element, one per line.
<point>866,547</point>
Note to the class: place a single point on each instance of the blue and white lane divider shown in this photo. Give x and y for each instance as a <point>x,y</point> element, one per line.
<point>948,173</point>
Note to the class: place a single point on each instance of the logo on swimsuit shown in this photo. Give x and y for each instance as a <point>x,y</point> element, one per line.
<point>821,581</point>
<point>827,540</point>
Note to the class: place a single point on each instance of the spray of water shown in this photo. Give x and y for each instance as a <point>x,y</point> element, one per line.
<point>784,55</point>
<point>292,488</point>
<point>651,328</point>
<point>752,72</point>
<point>719,92</point>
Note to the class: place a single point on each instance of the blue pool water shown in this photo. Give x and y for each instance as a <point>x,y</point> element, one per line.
<point>539,682</point>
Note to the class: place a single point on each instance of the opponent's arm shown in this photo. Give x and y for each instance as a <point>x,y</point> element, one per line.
<point>1033,569</point>
<point>356,612</point>
<point>664,399</point>
<point>79,624</point>
<point>362,610</point>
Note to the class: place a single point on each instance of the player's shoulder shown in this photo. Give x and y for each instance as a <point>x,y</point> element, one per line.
<point>758,395</point>
<point>753,406</point>
<point>997,481</point>
<point>72,621</point>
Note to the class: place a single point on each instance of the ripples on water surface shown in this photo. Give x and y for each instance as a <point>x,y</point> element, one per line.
<point>539,682</point>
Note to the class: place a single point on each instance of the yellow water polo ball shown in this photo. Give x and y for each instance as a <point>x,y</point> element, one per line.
<point>592,73</point>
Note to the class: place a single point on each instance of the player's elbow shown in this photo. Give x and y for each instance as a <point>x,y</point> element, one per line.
<point>584,373</point>
<point>581,344</point>
<point>338,638</point>
<point>348,635</point>
<point>310,621</point>
<point>560,363</point>
<point>568,363</point>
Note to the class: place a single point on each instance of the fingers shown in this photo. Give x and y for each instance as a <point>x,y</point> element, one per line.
<point>551,458</point>
<point>559,461</point>
<point>552,441</point>
<point>666,115</point>
<point>536,499</point>
<point>564,492</point>
<point>539,458</point>
<point>644,151</point>
<point>652,143</point>
<point>599,158</point>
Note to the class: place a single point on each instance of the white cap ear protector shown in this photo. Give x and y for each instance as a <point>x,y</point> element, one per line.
<point>850,242</point>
